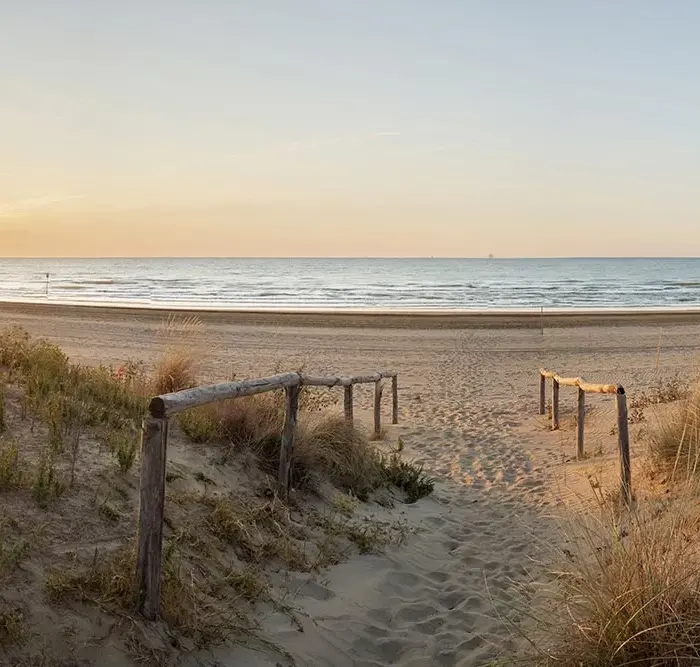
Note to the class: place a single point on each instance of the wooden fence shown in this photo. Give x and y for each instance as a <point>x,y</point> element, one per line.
<point>584,387</point>
<point>154,453</point>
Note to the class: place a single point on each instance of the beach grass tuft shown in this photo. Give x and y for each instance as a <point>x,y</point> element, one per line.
<point>674,438</point>
<point>625,590</point>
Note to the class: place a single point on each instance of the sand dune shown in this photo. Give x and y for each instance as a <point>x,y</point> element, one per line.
<point>468,402</point>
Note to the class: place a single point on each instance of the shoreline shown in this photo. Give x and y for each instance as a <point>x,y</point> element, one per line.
<point>366,318</point>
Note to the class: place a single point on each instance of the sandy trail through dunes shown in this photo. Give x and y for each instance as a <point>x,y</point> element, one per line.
<point>468,401</point>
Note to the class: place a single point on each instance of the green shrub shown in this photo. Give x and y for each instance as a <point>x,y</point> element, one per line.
<point>3,418</point>
<point>408,477</point>
<point>201,425</point>
<point>10,470</point>
<point>123,445</point>
<point>46,483</point>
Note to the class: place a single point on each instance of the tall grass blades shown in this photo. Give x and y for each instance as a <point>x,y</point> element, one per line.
<point>177,367</point>
<point>3,413</point>
<point>674,439</point>
<point>626,591</point>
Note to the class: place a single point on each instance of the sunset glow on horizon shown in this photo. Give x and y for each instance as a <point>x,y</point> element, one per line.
<point>273,128</point>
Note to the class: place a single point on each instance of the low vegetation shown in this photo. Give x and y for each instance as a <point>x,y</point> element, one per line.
<point>326,447</point>
<point>626,591</point>
<point>674,437</point>
<point>664,390</point>
<point>626,588</point>
<point>69,443</point>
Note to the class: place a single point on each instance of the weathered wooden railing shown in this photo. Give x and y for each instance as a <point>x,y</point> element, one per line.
<point>154,452</point>
<point>623,438</point>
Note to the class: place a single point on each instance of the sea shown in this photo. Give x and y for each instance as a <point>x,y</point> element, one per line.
<point>453,285</point>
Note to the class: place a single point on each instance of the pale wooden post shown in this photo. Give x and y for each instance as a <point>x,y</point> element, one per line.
<point>581,416</point>
<point>623,440</point>
<point>555,404</point>
<point>348,402</point>
<point>378,388</point>
<point>291,395</point>
<point>149,540</point>
<point>395,400</point>
<point>543,390</point>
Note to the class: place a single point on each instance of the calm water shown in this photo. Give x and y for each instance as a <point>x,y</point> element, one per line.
<point>394,284</point>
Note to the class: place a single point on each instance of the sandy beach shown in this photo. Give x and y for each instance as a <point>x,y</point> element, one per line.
<point>468,404</point>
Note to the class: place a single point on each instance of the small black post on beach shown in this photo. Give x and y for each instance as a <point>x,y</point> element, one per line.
<point>542,319</point>
<point>47,285</point>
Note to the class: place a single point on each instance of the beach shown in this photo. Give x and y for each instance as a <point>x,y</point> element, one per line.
<point>468,390</point>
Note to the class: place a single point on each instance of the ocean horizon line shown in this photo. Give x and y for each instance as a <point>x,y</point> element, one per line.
<point>350,257</point>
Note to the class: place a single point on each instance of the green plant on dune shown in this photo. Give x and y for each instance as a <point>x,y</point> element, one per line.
<point>123,444</point>
<point>11,475</point>
<point>3,414</point>
<point>201,425</point>
<point>408,477</point>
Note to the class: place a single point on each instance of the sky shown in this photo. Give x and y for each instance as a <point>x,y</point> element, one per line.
<point>453,128</point>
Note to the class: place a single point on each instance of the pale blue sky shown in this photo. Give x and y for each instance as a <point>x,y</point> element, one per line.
<point>546,127</point>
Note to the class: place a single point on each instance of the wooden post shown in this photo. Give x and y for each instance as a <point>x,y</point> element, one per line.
<point>287,447</point>
<point>348,403</point>
<point>543,390</point>
<point>378,388</point>
<point>555,404</point>
<point>623,440</point>
<point>395,400</point>
<point>154,442</point>
<point>581,417</point>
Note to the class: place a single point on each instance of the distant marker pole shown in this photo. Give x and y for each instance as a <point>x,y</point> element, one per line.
<point>47,285</point>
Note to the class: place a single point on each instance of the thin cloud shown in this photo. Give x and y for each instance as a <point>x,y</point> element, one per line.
<point>34,203</point>
<point>309,144</point>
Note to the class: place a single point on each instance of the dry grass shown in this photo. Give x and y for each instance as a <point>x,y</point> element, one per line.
<point>674,440</point>
<point>108,582</point>
<point>340,450</point>
<point>71,402</point>
<point>174,371</point>
<point>246,421</point>
<point>11,473</point>
<point>331,448</point>
<point>201,425</point>
<point>177,367</point>
<point>12,625</point>
<point>67,430</point>
<point>3,417</point>
<point>666,390</point>
<point>626,590</point>
<point>259,531</point>
<point>241,421</point>
<point>326,445</point>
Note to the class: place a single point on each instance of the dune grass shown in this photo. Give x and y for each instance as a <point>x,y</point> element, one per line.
<point>177,366</point>
<point>625,591</point>
<point>219,543</point>
<point>69,401</point>
<point>674,438</point>
<point>326,446</point>
<point>626,588</point>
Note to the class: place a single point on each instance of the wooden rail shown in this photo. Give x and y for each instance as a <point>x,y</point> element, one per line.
<point>154,443</point>
<point>584,387</point>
